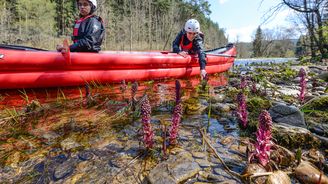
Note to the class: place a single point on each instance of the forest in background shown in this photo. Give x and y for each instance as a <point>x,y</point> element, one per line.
<point>153,24</point>
<point>130,25</point>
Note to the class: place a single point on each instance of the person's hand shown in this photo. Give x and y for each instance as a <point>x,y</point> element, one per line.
<point>203,74</point>
<point>61,48</point>
<point>183,53</point>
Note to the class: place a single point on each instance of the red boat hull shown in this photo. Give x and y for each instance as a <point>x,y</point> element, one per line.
<point>32,69</point>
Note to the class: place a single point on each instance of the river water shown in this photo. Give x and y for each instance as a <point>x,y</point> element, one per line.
<point>248,61</point>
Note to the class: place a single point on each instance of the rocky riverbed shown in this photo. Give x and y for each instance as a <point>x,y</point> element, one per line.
<point>98,138</point>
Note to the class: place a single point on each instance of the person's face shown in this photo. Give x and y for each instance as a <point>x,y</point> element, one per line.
<point>84,7</point>
<point>191,36</point>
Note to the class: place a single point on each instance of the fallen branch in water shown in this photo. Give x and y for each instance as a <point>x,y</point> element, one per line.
<point>128,164</point>
<point>233,173</point>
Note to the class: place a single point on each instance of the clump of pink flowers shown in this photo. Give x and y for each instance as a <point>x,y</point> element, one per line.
<point>263,139</point>
<point>242,109</point>
<point>302,75</point>
<point>177,114</point>
<point>148,133</point>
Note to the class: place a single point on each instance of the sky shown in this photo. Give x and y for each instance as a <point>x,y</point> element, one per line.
<point>240,18</point>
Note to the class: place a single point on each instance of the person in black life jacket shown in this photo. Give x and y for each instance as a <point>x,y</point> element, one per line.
<point>191,41</point>
<point>88,31</point>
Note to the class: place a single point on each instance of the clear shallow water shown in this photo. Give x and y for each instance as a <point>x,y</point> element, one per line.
<point>248,61</point>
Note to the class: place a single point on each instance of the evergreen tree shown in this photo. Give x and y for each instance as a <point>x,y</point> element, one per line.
<point>257,43</point>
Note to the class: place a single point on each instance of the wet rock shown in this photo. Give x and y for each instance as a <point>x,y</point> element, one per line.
<point>323,140</point>
<point>69,144</point>
<point>176,150</point>
<point>193,106</point>
<point>221,107</point>
<point>14,159</point>
<point>50,135</point>
<point>320,88</point>
<point>240,149</point>
<point>218,98</point>
<point>203,163</point>
<point>278,177</point>
<point>294,137</point>
<point>85,155</point>
<point>199,154</point>
<point>63,170</point>
<point>176,169</point>
<point>255,168</point>
<point>114,147</point>
<point>308,173</point>
<point>288,91</point>
<point>291,115</point>
<point>61,158</point>
<point>39,167</point>
<point>227,140</point>
<point>282,156</point>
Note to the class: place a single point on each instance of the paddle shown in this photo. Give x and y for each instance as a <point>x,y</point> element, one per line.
<point>67,53</point>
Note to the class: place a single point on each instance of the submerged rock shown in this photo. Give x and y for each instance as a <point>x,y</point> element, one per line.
<point>176,169</point>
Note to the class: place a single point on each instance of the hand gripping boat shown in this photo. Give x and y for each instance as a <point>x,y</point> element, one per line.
<point>26,67</point>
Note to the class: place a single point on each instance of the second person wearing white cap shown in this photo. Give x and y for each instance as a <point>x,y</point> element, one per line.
<point>191,41</point>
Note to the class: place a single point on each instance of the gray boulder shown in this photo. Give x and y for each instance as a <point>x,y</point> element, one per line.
<point>282,113</point>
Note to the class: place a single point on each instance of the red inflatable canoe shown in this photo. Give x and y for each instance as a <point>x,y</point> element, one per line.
<point>25,67</point>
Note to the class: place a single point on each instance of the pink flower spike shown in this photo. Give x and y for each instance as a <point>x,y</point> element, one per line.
<point>302,75</point>
<point>148,134</point>
<point>263,138</point>
<point>242,109</point>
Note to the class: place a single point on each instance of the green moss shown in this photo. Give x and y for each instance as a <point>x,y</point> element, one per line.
<point>256,104</point>
<point>320,104</point>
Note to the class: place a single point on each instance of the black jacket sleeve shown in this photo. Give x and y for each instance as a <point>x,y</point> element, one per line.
<point>176,42</point>
<point>198,47</point>
<point>92,34</point>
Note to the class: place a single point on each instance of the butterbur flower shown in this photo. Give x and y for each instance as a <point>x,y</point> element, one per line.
<point>177,113</point>
<point>263,138</point>
<point>302,75</point>
<point>242,109</point>
<point>148,134</point>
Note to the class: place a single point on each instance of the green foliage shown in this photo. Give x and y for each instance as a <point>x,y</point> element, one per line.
<point>135,25</point>
<point>287,73</point>
<point>320,104</point>
<point>257,104</point>
<point>38,23</point>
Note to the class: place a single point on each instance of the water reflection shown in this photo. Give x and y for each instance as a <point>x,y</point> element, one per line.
<point>159,91</point>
